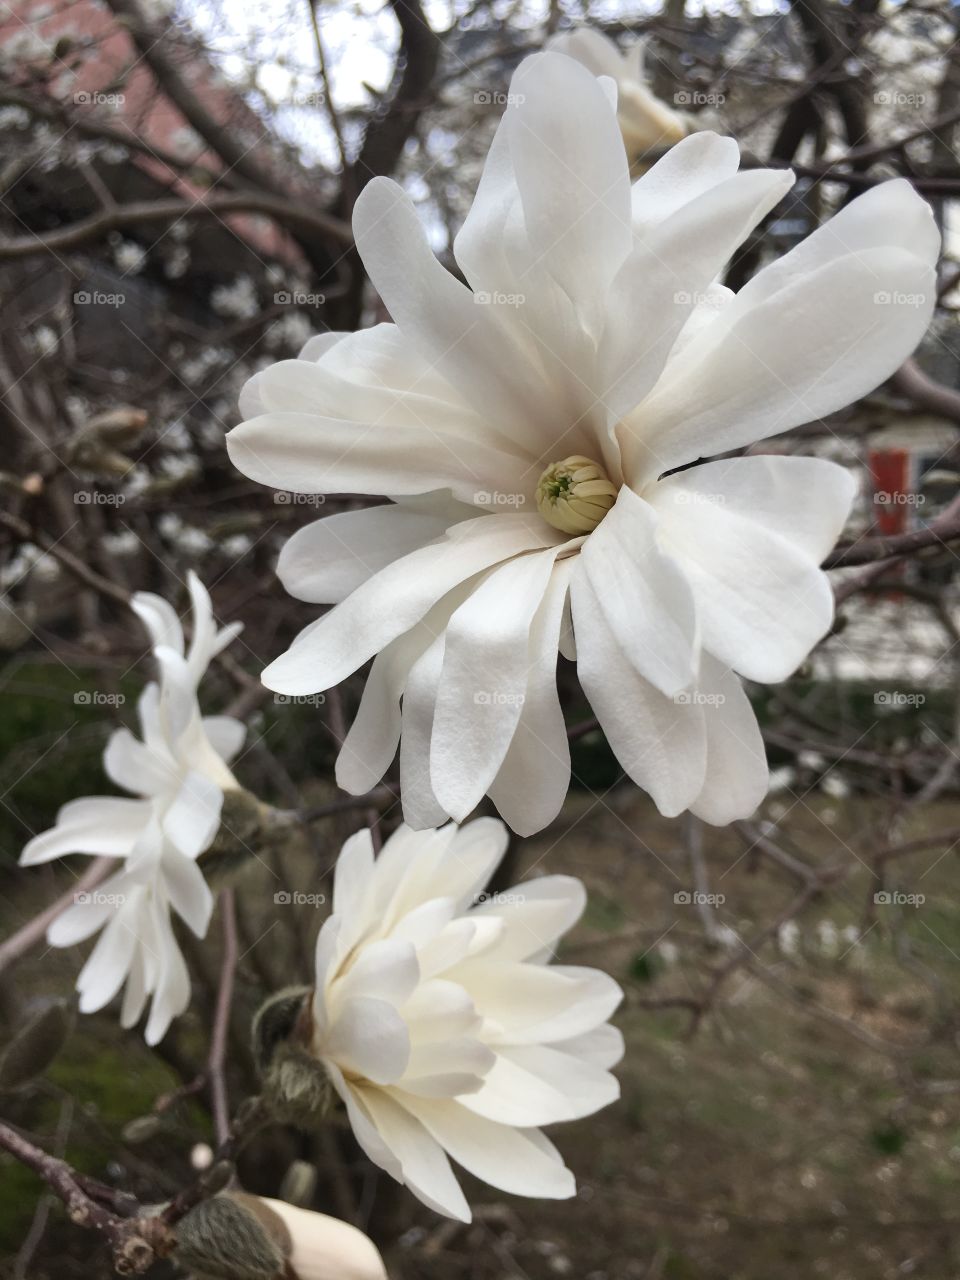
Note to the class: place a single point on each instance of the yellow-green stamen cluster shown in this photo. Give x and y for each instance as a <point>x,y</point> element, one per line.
<point>575,494</point>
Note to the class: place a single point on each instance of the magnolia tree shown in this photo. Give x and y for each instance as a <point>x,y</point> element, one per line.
<point>585,410</point>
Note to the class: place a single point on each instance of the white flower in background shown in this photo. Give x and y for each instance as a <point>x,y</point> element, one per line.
<point>444,1028</point>
<point>540,448</point>
<point>179,769</point>
<point>645,121</point>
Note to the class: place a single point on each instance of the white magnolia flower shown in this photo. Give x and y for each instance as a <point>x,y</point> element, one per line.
<point>444,1028</point>
<point>179,769</point>
<point>645,121</point>
<point>540,448</point>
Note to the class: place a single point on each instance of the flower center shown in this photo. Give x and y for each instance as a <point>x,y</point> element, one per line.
<point>575,494</point>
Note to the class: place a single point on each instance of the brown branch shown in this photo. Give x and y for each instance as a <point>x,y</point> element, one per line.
<point>137,1243</point>
<point>938,533</point>
<point>154,48</point>
<point>221,1021</point>
<point>911,381</point>
<point>387,135</point>
<point>295,217</point>
<point>19,943</point>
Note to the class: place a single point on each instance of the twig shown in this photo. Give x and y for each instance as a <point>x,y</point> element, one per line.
<point>221,1022</point>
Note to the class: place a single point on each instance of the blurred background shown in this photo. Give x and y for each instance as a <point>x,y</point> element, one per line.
<point>176,183</point>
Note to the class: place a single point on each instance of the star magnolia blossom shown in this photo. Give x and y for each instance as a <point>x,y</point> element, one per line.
<point>180,771</point>
<point>445,1029</point>
<point>533,446</point>
<point>645,121</point>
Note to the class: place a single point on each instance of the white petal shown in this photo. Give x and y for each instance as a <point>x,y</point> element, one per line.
<point>461,340</point>
<point>385,970</point>
<point>421,809</point>
<point>424,1167</point>
<point>368,1038</point>
<point>160,618</point>
<point>531,786</point>
<point>603,1046</point>
<point>188,891</point>
<point>96,824</point>
<point>509,1159</point>
<point>737,777</point>
<point>135,767</point>
<point>573,176</point>
<point>538,1084</point>
<point>536,914</point>
<point>643,594</point>
<point>816,344</point>
<point>669,270</point>
<point>326,560</point>
<point>805,500</point>
<point>325,1248</point>
<point>659,742</point>
<point>106,968</point>
<point>191,821</point>
<point>225,734</point>
<point>308,453</point>
<point>536,1004</point>
<point>687,172</point>
<point>396,598</point>
<point>483,681</point>
<point>763,603</point>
